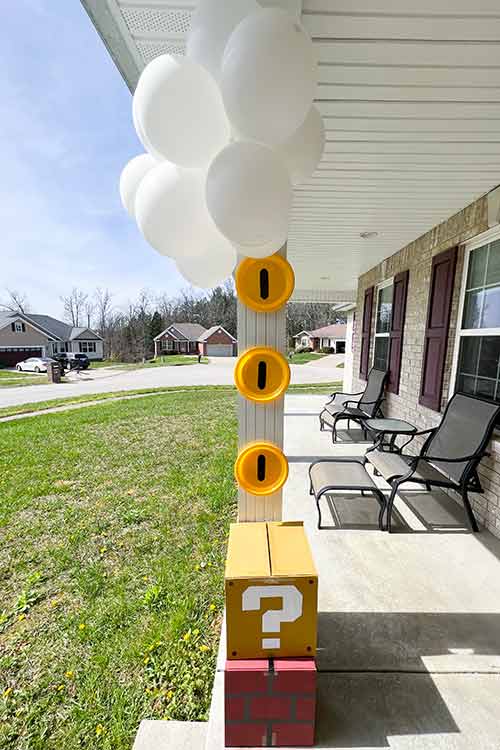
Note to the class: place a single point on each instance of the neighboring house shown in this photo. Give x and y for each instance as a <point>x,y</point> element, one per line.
<point>192,338</point>
<point>23,336</point>
<point>430,314</point>
<point>328,337</point>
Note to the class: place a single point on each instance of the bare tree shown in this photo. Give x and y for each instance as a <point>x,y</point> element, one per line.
<point>15,302</point>
<point>89,311</point>
<point>74,306</point>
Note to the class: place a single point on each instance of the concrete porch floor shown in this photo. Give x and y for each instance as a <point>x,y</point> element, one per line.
<point>409,623</point>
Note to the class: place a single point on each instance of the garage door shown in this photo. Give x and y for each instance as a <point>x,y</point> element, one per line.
<point>10,357</point>
<point>220,350</point>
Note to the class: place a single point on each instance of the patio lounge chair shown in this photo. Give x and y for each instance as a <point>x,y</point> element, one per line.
<point>449,456</point>
<point>355,407</point>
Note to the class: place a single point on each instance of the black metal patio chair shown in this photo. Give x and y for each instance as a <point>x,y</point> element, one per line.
<point>346,407</point>
<point>450,455</point>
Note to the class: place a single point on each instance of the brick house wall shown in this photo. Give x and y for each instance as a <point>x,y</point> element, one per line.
<point>218,337</point>
<point>417,257</point>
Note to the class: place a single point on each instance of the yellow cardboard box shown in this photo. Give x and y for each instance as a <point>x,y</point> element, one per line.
<point>271,591</point>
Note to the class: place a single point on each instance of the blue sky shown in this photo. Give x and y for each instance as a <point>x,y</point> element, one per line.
<point>65,116</point>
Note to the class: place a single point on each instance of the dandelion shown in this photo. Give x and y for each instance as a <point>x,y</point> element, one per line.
<point>69,674</point>
<point>82,626</point>
<point>146,660</point>
<point>59,688</point>
<point>212,607</point>
<point>203,648</point>
<point>7,692</point>
<point>187,636</point>
<point>170,695</point>
<point>196,631</point>
<point>197,567</point>
<point>103,550</point>
<point>100,729</point>
<point>22,616</point>
<point>145,578</point>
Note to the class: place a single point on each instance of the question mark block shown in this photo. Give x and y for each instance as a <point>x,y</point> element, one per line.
<point>271,592</point>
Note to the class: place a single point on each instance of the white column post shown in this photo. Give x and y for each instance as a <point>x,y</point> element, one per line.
<point>260,421</point>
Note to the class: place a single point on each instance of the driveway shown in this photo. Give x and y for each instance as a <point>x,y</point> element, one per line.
<point>109,379</point>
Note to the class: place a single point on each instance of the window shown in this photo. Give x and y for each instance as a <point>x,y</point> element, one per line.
<point>87,347</point>
<point>167,345</point>
<point>383,325</point>
<point>478,345</point>
<point>18,327</point>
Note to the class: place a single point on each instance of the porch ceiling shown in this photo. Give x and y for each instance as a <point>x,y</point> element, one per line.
<point>410,95</point>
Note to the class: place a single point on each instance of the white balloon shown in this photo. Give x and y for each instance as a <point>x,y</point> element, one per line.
<point>303,151</point>
<point>259,251</point>
<point>179,109</point>
<point>170,208</point>
<point>268,76</point>
<point>214,261</point>
<point>141,134</point>
<point>131,177</point>
<point>249,195</point>
<point>212,24</point>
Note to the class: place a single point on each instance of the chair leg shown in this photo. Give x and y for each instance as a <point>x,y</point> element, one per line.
<point>390,503</point>
<point>319,512</point>
<point>383,505</point>
<point>468,509</point>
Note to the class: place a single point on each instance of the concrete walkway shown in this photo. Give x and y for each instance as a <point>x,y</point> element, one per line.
<point>218,372</point>
<point>409,623</point>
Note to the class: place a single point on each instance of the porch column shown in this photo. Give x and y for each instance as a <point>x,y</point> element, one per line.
<point>260,421</point>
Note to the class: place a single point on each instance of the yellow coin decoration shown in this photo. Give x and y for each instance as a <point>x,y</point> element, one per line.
<point>265,284</point>
<point>261,468</point>
<point>262,374</point>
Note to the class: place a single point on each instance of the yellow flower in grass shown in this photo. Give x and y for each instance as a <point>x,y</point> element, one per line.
<point>22,616</point>
<point>170,695</point>
<point>196,631</point>
<point>82,626</point>
<point>212,607</point>
<point>100,729</point>
<point>187,636</point>
<point>7,692</point>
<point>204,648</point>
<point>60,688</point>
<point>69,674</point>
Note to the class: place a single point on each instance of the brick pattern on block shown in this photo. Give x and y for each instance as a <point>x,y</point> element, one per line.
<point>417,257</point>
<point>277,711</point>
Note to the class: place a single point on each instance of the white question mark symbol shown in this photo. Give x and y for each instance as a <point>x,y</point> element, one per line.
<point>272,619</point>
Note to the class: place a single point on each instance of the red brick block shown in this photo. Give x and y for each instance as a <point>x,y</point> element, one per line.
<point>234,708</point>
<point>246,676</point>
<point>293,735</point>
<point>306,709</point>
<point>294,676</point>
<point>271,708</point>
<point>246,735</point>
<point>270,702</point>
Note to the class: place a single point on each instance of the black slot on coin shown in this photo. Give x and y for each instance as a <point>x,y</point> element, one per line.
<point>264,283</point>
<point>261,467</point>
<point>262,376</point>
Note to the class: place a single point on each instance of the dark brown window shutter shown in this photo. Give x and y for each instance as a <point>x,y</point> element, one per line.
<point>366,333</point>
<point>13,327</point>
<point>397,327</point>
<point>436,332</point>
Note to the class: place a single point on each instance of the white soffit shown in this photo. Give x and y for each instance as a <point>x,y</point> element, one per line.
<point>410,95</point>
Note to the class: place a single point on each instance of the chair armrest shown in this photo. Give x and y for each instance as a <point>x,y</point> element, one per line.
<point>461,459</point>
<point>338,394</point>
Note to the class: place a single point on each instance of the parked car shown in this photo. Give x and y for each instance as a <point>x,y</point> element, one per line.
<point>77,361</point>
<point>34,364</point>
<point>73,361</point>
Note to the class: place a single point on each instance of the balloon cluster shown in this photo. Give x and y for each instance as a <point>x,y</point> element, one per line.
<point>228,130</point>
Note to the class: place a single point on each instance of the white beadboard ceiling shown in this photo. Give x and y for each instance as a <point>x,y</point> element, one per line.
<point>410,95</point>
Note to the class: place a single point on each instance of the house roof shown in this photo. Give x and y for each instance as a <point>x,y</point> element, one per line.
<point>52,327</point>
<point>212,330</point>
<point>187,331</point>
<point>337,330</point>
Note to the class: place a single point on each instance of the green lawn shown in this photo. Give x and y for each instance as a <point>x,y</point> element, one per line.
<point>175,360</point>
<point>304,357</point>
<point>113,526</point>
<point>13,378</point>
<point>10,411</point>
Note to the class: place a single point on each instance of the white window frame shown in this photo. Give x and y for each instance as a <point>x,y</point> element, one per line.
<point>18,327</point>
<point>491,235</point>
<point>382,285</point>
<point>87,347</point>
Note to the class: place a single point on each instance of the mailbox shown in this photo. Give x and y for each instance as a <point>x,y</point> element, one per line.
<point>265,284</point>
<point>271,592</point>
<point>262,374</point>
<point>261,468</point>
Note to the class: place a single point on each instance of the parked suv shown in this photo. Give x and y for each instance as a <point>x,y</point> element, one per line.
<point>73,361</point>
